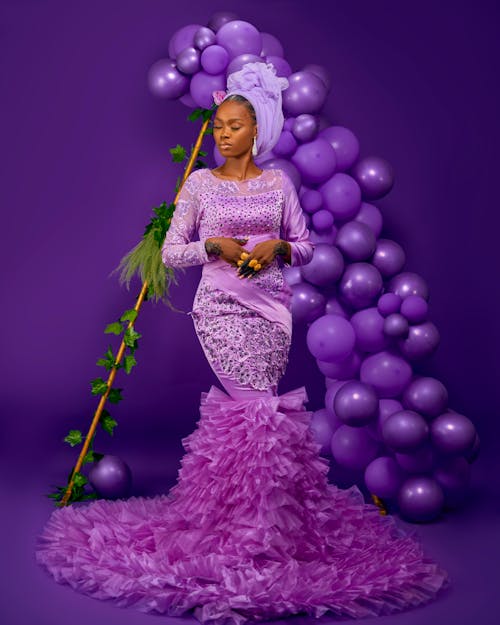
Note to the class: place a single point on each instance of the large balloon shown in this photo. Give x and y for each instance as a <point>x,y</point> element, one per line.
<point>326,265</point>
<point>405,430</point>
<point>111,477</point>
<point>239,37</point>
<point>409,283</point>
<point>389,258</point>
<point>355,240</point>
<point>182,38</point>
<point>427,396</point>
<point>202,86</point>
<point>453,433</point>
<point>421,498</point>
<point>271,45</point>
<point>305,128</point>
<point>315,160</point>
<point>165,80</point>
<point>345,144</point>
<point>330,338</point>
<point>342,196</point>
<point>306,93</point>
<point>188,60</point>
<point>374,175</point>
<point>387,372</point>
<point>360,285</point>
<point>356,403</point>
<point>214,59</point>
<point>383,477</point>
<point>421,342</point>
<point>307,303</point>
<point>354,448</point>
<point>242,59</point>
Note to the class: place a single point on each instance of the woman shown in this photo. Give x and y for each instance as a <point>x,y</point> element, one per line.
<point>252,529</point>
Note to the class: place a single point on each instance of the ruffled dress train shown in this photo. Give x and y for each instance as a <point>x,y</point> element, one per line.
<point>251,530</point>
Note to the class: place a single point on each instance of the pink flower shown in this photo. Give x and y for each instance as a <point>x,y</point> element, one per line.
<point>219,96</point>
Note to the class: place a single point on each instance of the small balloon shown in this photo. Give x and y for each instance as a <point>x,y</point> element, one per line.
<point>371,216</point>
<point>322,220</point>
<point>356,403</point>
<point>165,80</point>
<point>345,144</point>
<point>305,128</point>
<point>408,283</point>
<point>271,45</point>
<point>419,460</point>
<point>111,477</point>
<point>326,265</point>
<point>203,38</point>
<point>307,303</point>
<point>396,326</point>
<point>368,325</point>
<point>286,144</point>
<point>374,175</point>
<point>405,430</point>
<point>182,38</point>
<point>453,433</point>
<point>414,308</point>
<point>342,196</point>
<point>188,60</point>
<point>242,59</point>
<point>354,448</point>
<point>306,93</point>
<point>344,370</point>
<point>320,71</point>
<point>420,498</point>
<point>389,257</point>
<point>356,241</point>
<point>315,160</point>
<point>281,66</point>
<point>219,18</point>
<point>203,85</point>
<point>311,200</point>
<point>389,303</point>
<point>360,285</point>
<point>453,475</point>
<point>214,59</point>
<point>421,342</point>
<point>426,395</point>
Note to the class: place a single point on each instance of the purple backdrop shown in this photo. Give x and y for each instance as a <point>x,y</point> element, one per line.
<point>85,158</point>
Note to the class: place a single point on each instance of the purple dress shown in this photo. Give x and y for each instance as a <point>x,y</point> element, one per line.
<point>252,529</point>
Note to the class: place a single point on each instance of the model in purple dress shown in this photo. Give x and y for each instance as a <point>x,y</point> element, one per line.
<point>252,529</point>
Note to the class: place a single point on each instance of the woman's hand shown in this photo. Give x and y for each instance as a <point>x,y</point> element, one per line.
<point>228,249</point>
<point>262,255</point>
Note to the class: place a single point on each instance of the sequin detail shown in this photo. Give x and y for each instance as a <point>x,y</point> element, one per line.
<point>239,341</point>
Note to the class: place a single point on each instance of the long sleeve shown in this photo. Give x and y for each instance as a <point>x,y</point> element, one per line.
<point>293,226</point>
<point>178,249</point>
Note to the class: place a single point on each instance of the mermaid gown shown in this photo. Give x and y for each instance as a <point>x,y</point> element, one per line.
<point>252,529</point>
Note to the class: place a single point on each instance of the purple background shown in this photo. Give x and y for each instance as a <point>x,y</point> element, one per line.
<point>85,158</point>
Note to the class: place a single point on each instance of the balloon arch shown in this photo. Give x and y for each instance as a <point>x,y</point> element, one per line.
<point>367,318</point>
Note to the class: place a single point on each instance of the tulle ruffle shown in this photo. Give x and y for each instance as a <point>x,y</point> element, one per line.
<point>251,530</point>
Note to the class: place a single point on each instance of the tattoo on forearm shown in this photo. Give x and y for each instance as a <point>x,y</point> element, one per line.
<point>281,248</point>
<point>213,248</point>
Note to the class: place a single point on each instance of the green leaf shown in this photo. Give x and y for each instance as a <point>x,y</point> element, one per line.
<point>108,361</point>
<point>129,315</point>
<point>108,423</point>
<point>115,395</point>
<point>195,114</point>
<point>80,479</point>
<point>202,153</point>
<point>130,337</point>
<point>73,438</point>
<point>89,496</point>
<point>99,386</point>
<point>128,363</point>
<point>114,328</point>
<point>209,131</point>
<point>178,153</point>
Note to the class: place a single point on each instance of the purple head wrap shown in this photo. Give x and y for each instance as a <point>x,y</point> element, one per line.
<point>258,83</point>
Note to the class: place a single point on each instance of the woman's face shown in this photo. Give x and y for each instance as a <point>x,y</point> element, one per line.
<point>234,129</point>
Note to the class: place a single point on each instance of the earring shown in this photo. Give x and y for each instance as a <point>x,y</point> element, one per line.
<point>254,147</point>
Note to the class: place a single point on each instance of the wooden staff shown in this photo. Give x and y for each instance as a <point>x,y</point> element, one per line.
<point>121,350</point>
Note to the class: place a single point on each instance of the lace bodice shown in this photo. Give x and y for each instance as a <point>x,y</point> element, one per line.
<point>210,207</point>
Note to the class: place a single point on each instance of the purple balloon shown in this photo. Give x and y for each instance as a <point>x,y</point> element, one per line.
<point>374,175</point>
<point>305,127</point>
<point>306,93</point>
<point>322,430</point>
<point>288,167</point>
<point>315,160</point>
<point>421,498</point>
<point>419,460</point>
<point>214,59</point>
<point>453,475</point>
<point>474,452</point>
<point>203,38</point>
<point>408,283</point>
<point>165,80</point>
<point>286,144</point>
<point>322,220</point>
<point>342,196</point>
<point>387,372</point>
<point>188,101</point>
<point>356,403</point>
<point>414,308</point>
<point>330,338</point>
<point>384,477</point>
<point>311,200</point>
<point>239,37</point>
<point>334,307</point>
<point>405,430</point>
<point>331,392</point>
<point>360,285</point>
<point>292,275</point>
<point>242,59</point>
<point>389,257</point>
<point>320,71</point>
<point>389,303</point>
<point>344,370</point>
<point>288,125</point>
<point>453,433</point>
<point>202,87</point>
<point>326,265</point>
<point>182,38</point>
<point>111,477</point>
<point>327,237</point>
<point>396,326</point>
<point>188,60</point>
<point>354,448</point>
<point>281,66</point>
<point>271,45</point>
<point>219,18</point>
<point>371,216</point>
<point>427,396</point>
<point>421,342</point>
<point>345,144</point>
<point>307,303</point>
<point>368,325</point>
<point>386,407</point>
<point>356,240</point>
